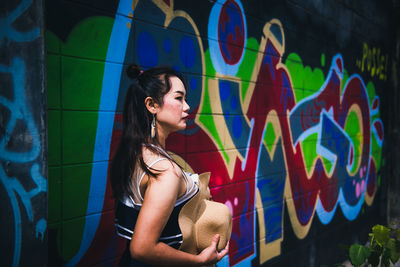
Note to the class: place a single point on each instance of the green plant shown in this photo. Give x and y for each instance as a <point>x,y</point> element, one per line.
<point>383,247</point>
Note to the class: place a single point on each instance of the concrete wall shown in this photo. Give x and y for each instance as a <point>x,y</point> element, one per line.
<point>393,122</point>
<point>23,137</point>
<point>287,101</point>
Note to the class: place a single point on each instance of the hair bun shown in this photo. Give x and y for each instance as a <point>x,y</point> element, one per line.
<point>133,71</point>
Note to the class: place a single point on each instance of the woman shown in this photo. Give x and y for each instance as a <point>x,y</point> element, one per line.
<point>148,185</point>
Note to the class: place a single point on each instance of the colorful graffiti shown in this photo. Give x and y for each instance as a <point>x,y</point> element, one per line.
<point>21,146</point>
<point>275,134</point>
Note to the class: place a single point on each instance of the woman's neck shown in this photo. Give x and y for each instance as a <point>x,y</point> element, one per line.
<point>158,142</point>
<point>162,142</point>
<point>161,136</point>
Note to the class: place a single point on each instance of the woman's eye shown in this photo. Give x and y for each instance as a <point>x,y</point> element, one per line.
<point>179,98</point>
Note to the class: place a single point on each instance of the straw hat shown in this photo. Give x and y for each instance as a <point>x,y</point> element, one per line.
<point>200,219</point>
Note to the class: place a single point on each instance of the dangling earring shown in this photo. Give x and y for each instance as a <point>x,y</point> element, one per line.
<point>153,127</point>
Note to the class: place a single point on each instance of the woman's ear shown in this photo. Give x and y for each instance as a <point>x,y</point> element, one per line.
<point>151,105</point>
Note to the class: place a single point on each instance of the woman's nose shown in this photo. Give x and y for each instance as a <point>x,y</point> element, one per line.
<point>186,107</point>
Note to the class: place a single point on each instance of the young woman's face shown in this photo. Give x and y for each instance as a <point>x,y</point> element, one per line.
<point>172,115</point>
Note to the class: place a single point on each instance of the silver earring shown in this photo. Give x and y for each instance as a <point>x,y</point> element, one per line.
<point>153,127</point>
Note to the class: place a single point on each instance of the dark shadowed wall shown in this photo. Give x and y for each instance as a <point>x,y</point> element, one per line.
<point>290,102</point>
<point>393,121</point>
<point>23,136</point>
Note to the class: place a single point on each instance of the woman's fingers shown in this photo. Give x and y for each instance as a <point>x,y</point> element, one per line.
<point>215,241</point>
<point>211,255</point>
<point>223,252</point>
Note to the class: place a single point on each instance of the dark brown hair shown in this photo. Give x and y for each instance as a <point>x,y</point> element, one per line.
<point>154,83</point>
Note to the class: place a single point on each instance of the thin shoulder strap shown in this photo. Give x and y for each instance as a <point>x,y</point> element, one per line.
<point>141,177</point>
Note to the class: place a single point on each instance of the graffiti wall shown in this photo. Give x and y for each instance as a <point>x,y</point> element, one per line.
<point>23,145</point>
<point>285,101</point>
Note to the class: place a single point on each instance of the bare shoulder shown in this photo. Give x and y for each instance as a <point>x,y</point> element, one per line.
<point>149,155</point>
<point>168,169</point>
<point>162,164</point>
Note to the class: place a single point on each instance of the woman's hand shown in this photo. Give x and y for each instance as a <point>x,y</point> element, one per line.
<point>210,255</point>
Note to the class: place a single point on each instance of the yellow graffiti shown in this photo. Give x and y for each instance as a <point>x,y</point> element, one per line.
<point>374,62</point>
<point>271,249</point>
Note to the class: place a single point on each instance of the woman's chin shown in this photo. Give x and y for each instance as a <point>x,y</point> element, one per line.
<point>182,126</point>
<point>178,128</point>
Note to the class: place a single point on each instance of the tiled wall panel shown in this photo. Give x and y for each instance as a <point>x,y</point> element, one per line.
<point>285,114</point>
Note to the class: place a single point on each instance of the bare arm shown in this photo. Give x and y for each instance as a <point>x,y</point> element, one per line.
<point>159,201</point>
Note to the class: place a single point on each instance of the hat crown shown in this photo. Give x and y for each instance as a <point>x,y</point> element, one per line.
<point>200,219</point>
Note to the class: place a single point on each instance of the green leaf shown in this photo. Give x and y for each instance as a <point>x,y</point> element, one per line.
<point>398,234</point>
<point>385,258</point>
<point>381,234</point>
<point>358,254</point>
<point>374,246</point>
<point>394,247</point>
<point>373,258</point>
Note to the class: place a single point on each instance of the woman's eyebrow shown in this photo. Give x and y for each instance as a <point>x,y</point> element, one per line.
<point>180,92</point>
